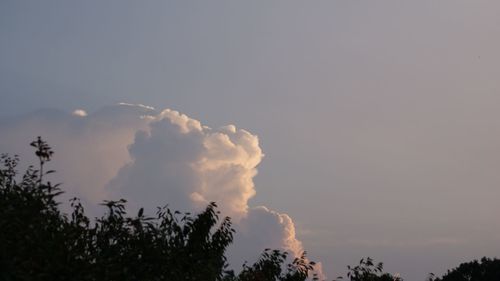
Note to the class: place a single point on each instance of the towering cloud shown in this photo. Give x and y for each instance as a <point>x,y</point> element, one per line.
<point>153,158</point>
<point>178,160</point>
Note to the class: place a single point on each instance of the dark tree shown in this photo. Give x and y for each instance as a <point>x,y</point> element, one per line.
<point>485,270</point>
<point>367,270</point>
<point>39,242</point>
<point>270,267</point>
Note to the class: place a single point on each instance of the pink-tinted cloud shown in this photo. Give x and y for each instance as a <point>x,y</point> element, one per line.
<point>155,158</point>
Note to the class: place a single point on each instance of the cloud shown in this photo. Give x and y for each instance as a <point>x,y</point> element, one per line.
<point>80,113</point>
<point>263,228</point>
<point>177,160</point>
<point>153,158</point>
<point>180,161</point>
<point>89,151</point>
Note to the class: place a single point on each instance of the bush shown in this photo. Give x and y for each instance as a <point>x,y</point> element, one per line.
<point>39,242</point>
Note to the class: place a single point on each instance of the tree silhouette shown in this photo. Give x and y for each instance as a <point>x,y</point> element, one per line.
<point>367,270</point>
<point>39,242</point>
<point>270,267</point>
<point>485,270</point>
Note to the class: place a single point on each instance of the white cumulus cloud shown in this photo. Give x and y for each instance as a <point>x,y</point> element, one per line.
<point>155,158</point>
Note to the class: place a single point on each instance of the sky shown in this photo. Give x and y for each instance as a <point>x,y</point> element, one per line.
<point>359,128</point>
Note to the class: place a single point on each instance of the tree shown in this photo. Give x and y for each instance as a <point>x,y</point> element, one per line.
<point>485,270</point>
<point>270,267</point>
<point>367,270</point>
<point>39,242</point>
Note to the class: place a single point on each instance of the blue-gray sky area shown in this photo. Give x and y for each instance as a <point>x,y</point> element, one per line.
<point>379,120</point>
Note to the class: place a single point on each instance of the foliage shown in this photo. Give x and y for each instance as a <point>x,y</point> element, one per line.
<point>270,267</point>
<point>367,270</point>
<point>485,270</point>
<point>39,242</point>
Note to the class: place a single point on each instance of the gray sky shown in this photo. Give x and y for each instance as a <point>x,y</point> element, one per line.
<point>380,120</point>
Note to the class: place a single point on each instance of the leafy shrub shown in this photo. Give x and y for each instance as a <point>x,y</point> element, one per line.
<point>39,242</point>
